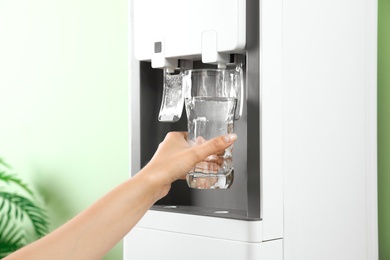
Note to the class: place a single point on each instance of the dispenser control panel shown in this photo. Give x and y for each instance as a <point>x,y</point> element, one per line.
<point>203,29</point>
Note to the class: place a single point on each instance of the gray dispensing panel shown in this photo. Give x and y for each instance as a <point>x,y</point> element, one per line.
<point>243,199</point>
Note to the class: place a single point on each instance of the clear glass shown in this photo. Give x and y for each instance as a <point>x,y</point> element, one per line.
<point>211,98</point>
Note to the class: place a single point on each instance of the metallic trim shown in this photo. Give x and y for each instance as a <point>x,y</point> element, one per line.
<point>253,108</point>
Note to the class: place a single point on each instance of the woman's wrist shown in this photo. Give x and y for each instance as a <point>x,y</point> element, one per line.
<point>156,180</point>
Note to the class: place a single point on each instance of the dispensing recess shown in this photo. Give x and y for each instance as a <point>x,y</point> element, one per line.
<point>222,42</point>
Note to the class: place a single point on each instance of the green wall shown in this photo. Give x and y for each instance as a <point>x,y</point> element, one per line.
<point>384,128</point>
<point>63,99</point>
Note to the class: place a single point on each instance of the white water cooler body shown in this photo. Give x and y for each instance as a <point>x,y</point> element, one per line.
<point>305,159</point>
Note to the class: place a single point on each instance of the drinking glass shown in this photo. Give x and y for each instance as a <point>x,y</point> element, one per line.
<point>211,98</point>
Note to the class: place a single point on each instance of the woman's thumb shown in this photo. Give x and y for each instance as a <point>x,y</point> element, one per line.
<point>213,146</point>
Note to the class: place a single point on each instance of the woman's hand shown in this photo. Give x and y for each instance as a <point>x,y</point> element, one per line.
<point>175,157</point>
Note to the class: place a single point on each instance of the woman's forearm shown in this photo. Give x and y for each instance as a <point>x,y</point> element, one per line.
<point>91,234</point>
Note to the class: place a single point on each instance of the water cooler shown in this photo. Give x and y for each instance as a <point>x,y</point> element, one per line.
<point>305,159</point>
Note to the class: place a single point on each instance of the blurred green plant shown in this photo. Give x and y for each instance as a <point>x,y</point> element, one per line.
<point>18,209</point>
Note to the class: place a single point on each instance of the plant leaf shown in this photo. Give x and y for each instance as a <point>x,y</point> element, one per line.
<point>2,162</point>
<point>11,178</point>
<point>36,214</point>
<point>6,249</point>
<point>11,236</point>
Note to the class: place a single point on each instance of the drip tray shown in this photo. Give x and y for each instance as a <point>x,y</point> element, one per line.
<point>204,211</point>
